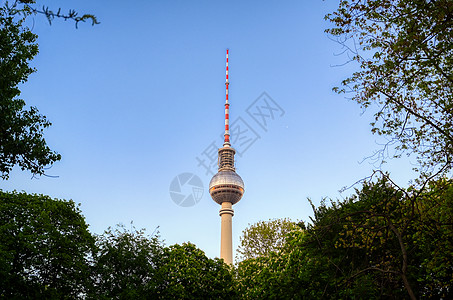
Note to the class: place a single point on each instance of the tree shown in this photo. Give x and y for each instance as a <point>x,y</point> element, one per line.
<point>305,268</point>
<point>265,270</point>
<point>403,234</point>
<point>390,239</point>
<point>404,49</point>
<point>131,265</point>
<point>45,248</point>
<point>382,242</point>
<point>259,256</point>
<point>126,265</point>
<point>432,232</point>
<point>373,231</point>
<point>21,129</point>
<point>187,273</point>
<point>263,237</point>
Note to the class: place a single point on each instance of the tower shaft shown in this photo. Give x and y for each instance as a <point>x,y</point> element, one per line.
<point>226,235</point>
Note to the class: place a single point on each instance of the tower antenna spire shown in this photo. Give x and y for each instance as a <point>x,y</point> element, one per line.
<point>226,142</point>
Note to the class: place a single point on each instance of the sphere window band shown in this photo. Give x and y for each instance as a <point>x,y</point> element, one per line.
<point>226,186</point>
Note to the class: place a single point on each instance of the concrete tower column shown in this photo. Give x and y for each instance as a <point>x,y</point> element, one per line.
<point>226,237</point>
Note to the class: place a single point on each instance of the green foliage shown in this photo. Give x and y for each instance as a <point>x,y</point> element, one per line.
<point>432,235</point>
<point>126,265</point>
<point>384,234</point>
<point>187,273</point>
<point>44,248</point>
<point>21,130</point>
<point>400,238</point>
<point>383,242</point>
<point>264,237</point>
<point>281,274</point>
<point>404,49</point>
<point>47,252</point>
<point>131,265</point>
<point>360,238</point>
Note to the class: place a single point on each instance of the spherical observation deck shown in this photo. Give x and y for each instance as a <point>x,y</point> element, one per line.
<point>226,186</point>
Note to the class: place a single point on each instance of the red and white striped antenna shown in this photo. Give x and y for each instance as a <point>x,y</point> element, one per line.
<point>227,108</point>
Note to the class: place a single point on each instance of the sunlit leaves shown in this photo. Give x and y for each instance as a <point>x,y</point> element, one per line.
<point>264,237</point>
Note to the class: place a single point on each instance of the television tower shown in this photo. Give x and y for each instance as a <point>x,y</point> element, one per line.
<point>226,187</point>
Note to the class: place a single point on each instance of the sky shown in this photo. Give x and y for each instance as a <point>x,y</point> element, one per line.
<point>137,100</point>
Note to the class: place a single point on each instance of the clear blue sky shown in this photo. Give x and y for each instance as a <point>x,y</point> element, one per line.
<point>135,100</point>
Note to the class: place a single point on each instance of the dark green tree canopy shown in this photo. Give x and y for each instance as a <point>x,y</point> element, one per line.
<point>405,53</point>
<point>130,265</point>
<point>126,265</point>
<point>44,248</point>
<point>47,252</point>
